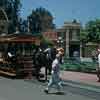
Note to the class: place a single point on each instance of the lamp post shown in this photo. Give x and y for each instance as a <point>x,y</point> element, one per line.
<point>60,41</point>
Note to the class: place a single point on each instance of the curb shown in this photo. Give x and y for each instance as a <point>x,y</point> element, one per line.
<point>81,85</point>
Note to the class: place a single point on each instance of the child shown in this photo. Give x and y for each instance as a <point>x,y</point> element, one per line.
<point>55,78</point>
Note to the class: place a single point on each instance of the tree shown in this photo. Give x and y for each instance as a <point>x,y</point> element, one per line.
<point>12,8</point>
<point>93,30</point>
<point>83,35</point>
<point>23,25</point>
<point>40,20</point>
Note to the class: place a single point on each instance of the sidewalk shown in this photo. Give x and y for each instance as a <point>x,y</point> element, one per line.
<point>81,80</point>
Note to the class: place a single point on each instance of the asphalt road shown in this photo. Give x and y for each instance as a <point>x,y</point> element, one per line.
<point>33,90</point>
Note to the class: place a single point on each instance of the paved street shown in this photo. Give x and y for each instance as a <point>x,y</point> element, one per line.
<point>31,89</point>
<point>80,77</point>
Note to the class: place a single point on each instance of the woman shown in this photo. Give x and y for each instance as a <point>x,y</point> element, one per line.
<point>55,75</point>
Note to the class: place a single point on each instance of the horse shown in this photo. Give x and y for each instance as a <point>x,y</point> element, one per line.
<point>43,58</point>
<point>50,54</point>
<point>39,61</point>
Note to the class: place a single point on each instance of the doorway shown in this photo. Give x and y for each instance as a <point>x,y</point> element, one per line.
<point>74,48</point>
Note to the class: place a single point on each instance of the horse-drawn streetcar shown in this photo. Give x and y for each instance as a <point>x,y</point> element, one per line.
<point>16,54</point>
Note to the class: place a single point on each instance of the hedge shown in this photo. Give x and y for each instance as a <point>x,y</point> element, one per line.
<point>72,65</point>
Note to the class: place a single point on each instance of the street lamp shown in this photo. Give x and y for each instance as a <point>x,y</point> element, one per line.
<point>60,41</point>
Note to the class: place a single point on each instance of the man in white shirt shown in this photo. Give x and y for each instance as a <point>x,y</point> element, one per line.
<point>98,67</point>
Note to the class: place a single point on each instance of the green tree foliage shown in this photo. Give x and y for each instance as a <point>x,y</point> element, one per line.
<point>83,35</point>
<point>23,25</point>
<point>93,30</point>
<point>45,42</point>
<point>40,20</point>
<point>12,8</point>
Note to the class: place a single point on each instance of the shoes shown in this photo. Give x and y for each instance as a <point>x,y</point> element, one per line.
<point>46,91</point>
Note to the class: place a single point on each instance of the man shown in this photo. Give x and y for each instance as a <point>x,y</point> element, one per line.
<point>55,78</point>
<point>11,56</point>
<point>98,67</point>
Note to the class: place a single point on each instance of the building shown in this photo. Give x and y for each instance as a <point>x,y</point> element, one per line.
<point>69,33</point>
<point>67,37</point>
<point>52,36</point>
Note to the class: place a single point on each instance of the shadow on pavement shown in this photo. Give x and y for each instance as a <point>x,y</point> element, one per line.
<point>56,93</point>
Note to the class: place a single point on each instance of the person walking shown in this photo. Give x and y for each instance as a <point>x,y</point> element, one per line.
<point>55,75</point>
<point>98,67</point>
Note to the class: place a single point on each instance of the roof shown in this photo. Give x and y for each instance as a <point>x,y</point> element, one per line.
<point>20,38</point>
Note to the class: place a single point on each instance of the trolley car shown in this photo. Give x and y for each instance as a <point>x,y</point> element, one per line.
<point>20,45</point>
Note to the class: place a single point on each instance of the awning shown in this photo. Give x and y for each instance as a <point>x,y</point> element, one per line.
<point>20,39</point>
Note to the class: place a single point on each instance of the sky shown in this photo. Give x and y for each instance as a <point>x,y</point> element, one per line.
<point>64,10</point>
